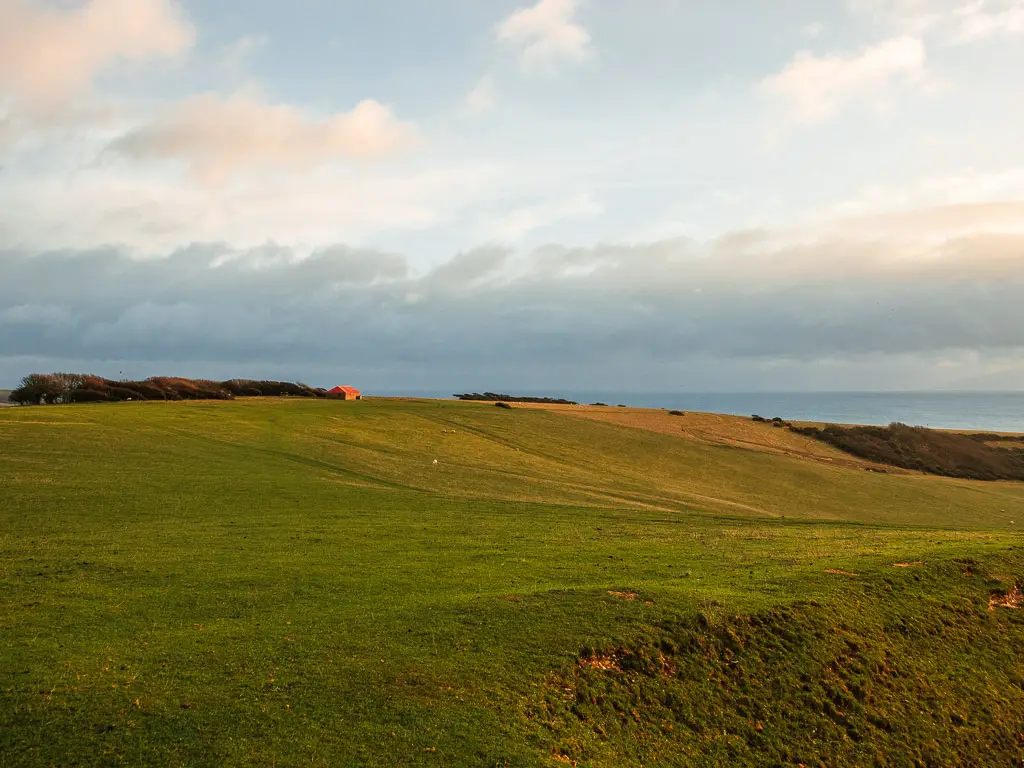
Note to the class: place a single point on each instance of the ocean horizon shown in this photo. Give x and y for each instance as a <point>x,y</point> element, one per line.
<point>981,411</point>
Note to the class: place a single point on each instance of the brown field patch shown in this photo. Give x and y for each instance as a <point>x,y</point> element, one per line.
<point>718,429</point>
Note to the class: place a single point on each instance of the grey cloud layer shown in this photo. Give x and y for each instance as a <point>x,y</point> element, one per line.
<point>748,296</point>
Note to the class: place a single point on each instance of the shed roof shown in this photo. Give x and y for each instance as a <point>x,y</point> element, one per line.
<point>344,390</point>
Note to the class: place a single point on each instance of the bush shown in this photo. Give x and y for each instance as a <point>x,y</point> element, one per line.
<point>676,413</point>
<point>88,396</point>
<point>502,404</point>
<point>38,389</point>
<point>146,391</point>
<point>758,419</point>
<point>925,450</point>
<point>494,396</point>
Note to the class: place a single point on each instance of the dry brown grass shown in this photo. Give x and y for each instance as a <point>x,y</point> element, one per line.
<point>719,429</point>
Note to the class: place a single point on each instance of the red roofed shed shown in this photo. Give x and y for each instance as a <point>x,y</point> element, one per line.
<point>346,393</point>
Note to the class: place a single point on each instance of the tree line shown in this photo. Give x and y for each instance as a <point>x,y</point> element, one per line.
<point>62,388</point>
<point>499,398</point>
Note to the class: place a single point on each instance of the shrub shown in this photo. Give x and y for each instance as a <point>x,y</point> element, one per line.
<point>88,396</point>
<point>676,413</point>
<point>52,388</point>
<point>494,396</point>
<point>503,404</point>
<point>123,393</point>
<point>146,391</point>
<point>925,450</point>
<point>758,419</point>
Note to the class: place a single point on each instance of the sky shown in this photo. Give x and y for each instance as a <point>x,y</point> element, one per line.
<point>563,195</point>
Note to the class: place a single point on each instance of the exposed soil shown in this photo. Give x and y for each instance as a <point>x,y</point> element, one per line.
<point>606,663</point>
<point>1012,599</point>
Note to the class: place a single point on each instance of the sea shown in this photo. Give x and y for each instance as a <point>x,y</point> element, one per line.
<point>980,411</point>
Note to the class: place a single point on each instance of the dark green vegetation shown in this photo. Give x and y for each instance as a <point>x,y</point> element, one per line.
<point>498,398</point>
<point>63,388</point>
<point>295,582</point>
<point>974,457</point>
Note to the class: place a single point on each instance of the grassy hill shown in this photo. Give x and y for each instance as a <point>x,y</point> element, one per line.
<point>281,582</point>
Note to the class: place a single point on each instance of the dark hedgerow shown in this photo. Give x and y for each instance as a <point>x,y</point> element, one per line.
<point>57,388</point>
<point>950,454</point>
<point>89,396</point>
<point>496,397</point>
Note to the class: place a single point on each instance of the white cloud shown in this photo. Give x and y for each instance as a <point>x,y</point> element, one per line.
<point>149,213</point>
<point>52,56</point>
<point>237,56</point>
<point>220,137</point>
<point>481,99</point>
<point>813,30</point>
<point>816,88</point>
<point>950,22</point>
<point>967,188</point>
<point>546,34</point>
<point>517,224</point>
<point>977,22</point>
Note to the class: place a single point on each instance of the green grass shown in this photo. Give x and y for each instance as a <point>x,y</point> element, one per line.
<point>297,583</point>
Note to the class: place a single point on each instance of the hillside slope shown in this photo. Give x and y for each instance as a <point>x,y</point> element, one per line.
<point>299,583</point>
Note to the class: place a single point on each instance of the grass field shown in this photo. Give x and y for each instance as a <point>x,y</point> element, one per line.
<point>280,582</point>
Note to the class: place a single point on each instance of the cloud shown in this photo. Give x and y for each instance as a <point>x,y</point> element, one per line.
<point>637,314</point>
<point>546,34</point>
<point>517,224</point>
<point>976,22</point>
<point>235,58</point>
<point>481,99</point>
<point>816,88</point>
<point>812,30</point>
<point>52,56</point>
<point>950,22</point>
<point>151,213</point>
<point>221,137</point>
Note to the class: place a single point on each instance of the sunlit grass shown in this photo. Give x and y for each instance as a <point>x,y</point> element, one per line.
<point>296,583</point>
